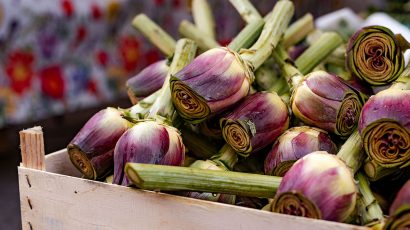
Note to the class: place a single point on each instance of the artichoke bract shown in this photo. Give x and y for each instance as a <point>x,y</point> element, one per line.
<point>147,142</point>
<point>325,101</point>
<point>148,81</point>
<point>384,126</point>
<point>400,210</point>
<point>91,149</point>
<point>374,55</point>
<point>318,186</point>
<point>255,122</point>
<point>294,144</point>
<point>212,82</point>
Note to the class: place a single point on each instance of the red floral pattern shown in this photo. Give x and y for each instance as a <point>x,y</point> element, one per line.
<point>52,82</point>
<point>19,69</point>
<point>129,48</point>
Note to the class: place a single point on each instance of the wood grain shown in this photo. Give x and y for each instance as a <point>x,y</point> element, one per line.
<point>32,148</point>
<point>56,201</point>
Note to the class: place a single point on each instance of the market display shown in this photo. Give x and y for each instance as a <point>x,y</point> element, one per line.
<point>325,119</point>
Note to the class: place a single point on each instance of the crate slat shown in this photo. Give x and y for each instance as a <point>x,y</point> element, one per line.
<point>56,201</point>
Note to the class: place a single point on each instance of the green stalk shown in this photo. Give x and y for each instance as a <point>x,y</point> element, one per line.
<point>226,156</point>
<point>163,108</point>
<point>292,75</point>
<point>298,30</point>
<point>274,28</point>
<point>318,51</point>
<point>204,41</point>
<point>155,34</point>
<point>139,111</point>
<point>375,172</point>
<point>172,178</point>
<point>203,17</point>
<point>352,153</point>
<point>246,10</point>
<point>247,36</point>
<point>370,212</point>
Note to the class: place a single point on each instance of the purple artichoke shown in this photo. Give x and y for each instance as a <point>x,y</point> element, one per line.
<point>384,126</point>
<point>148,142</point>
<point>294,144</point>
<point>210,84</point>
<point>148,81</point>
<point>91,149</point>
<point>318,186</point>
<point>255,123</point>
<point>400,210</point>
<point>327,102</point>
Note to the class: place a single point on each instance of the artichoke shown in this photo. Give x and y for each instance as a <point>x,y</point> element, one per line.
<point>148,81</point>
<point>255,123</point>
<point>318,186</point>
<point>147,142</point>
<point>327,102</point>
<point>294,144</point>
<point>384,126</point>
<point>212,82</point>
<point>374,55</point>
<point>91,150</point>
<point>400,210</point>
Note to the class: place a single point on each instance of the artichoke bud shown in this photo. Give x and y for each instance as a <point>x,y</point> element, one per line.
<point>400,210</point>
<point>384,126</point>
<point>222,198</point>
<point>147,142</point>
<point>90,150</point>
<point>374,55</point>
<point>211,83</point>
<point>325,101</point>
<point>255,123</point>
<point>148,81</point>
<point>294,144</point>
<point>318,186</point>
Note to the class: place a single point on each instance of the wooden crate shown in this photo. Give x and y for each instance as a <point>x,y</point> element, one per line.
<point>53,196</point>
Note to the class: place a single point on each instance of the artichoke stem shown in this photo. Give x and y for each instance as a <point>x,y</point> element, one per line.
<point>370,212</point>
<point>226,156</point>
<point>246,10</point>
<point>184,53</point>
<point>247,36</point>
<point>351,152</point>
<point>375,171</point>
<point>318,51</point>
<point>204,41</point>
<point>298,30</point>
<point>155,34</point>
<point>275,26</point>
<point>203,17</point>
<point>172,178</point>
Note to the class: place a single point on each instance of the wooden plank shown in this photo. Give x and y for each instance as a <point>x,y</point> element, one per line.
<point>54,201</point>
<point>59,162</point>
<point>32,148</point>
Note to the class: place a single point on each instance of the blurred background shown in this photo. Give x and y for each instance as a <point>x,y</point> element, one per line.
<point>61,61</point>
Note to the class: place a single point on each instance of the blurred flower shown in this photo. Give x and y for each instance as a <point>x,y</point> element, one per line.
<point>129,48</point>
<point>19,69</point>
<point>52,82</point>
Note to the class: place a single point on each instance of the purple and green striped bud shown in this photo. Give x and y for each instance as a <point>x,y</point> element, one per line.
<point>318,186</point>
<point>148,142</point>
<point>374,55</point>
<point>210,84</point>
<point>148,81</point>
<point>325,101</point>
<point>384,126</point>
<point>400,210</point>
<point>294,144</point>
<point>91,149</point>
<point>255,122</point>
